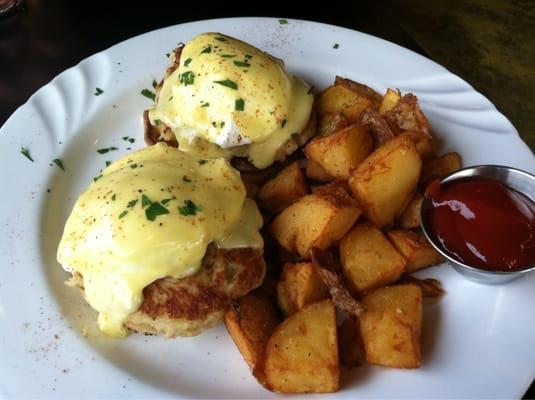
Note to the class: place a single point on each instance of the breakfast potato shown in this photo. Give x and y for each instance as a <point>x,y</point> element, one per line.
<point>391,326</point>
<point>440,167</point>
<point>431,288</point>
<point>415,248</point>
<point>406,115</point>
<point>341,151</point>
<point>340,99</point>
<point>377,126</point>
<point>341,297</point>
<point>422,142</point>
<point>384,182</point>
<point>315,220</point>
<point>302,354</point>
<point>410,218</point>
<point>299,286</point>
<point>330,123</point>
<point>250,321</point>
<point>316,172</point>
<point>369,260</point>
<point>360,89</point>
<point>288,185</point>
<point>350,346</point>
<point>390,99</point>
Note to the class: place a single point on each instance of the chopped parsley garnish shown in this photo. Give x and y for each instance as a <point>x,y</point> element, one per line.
<point>58,162</point>
<point>106,150</point>
<point>113,197</point>
<point>121,215</point>
<point>98,91</point>
<point>283,21</point>
<point>248,56</point>
<point>242,63</point>
<point>131,140</point>
<point>228,83</point>
<point>26,153</point>
<point>220,38</point>
<point>228,55</point>
<point>145,201</point>
<point>154,83</point>
<point>187,78</point>
<point>157,121</point>
<point>132,203</point>
<point>336,45</point>
<point>201,162</point>
<point>165,201</point>
<point>147,93</point>
<point>108,163</point>
<point>133,165</point>
<point>295,135</point>
<point>167,54</point>
<point>186,179</point>
<point>96,178</point>
<point>222,124</point>
<point>125,138</point>
<point>186,63</point>
<point>189,208</point>
<point>283,123</point>
<point>310,90</point>
<point>207,49</point>
<point>239,105</point>
<point>205,104</point>
<point>154,210</point>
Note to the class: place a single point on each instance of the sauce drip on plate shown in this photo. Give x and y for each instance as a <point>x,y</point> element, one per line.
<point>484,223</point>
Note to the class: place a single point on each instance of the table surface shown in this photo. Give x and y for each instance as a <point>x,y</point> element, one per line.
<point>489,43</point>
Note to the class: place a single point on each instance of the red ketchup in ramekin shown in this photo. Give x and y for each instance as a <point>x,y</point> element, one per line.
<point>483,223</point>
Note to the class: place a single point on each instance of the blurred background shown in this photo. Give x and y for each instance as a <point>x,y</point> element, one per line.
<point>489,43</point>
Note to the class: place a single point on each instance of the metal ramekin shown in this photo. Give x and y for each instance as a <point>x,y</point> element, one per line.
<point>516,179</point>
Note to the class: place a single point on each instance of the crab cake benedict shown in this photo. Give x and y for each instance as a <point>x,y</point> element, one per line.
<point>222,97</point>
<point>161,242</point>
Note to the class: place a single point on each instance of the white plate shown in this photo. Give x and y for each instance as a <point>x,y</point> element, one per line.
<point>479,341</point>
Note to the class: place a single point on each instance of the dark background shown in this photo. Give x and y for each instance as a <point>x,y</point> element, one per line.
<point>490,44</point>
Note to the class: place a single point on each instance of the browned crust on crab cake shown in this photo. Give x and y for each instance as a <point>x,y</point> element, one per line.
<point>185,307</point>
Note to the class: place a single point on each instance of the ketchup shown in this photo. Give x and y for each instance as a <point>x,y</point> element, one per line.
<point>483,223</point>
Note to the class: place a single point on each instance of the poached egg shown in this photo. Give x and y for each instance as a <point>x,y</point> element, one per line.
<point>227,98</point>
<point>150,215</point>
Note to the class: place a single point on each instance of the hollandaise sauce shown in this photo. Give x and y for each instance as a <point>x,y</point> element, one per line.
<point>229,98</point>
<point>150,215</point>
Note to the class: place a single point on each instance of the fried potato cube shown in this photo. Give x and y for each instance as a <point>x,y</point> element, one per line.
<point>423,143</point>
<point>385,180</point>
<point>360,89</point>
<point>316,172</point>
<point>390,99</point>
<point>300,285</point>
<point>350,346</point>
<point>410,218</point>
<point>302,354</point>
<point>415,248</point>
<point>342,151</point>
<point>391,326</point>
<point>315,220</point>
<point>250,322</point>
<point>440,167</point>
<point>369,260</point>
<point>330,123</point>
<point>406,115</point>
<point>286,187</point>
<point>340,99</point>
